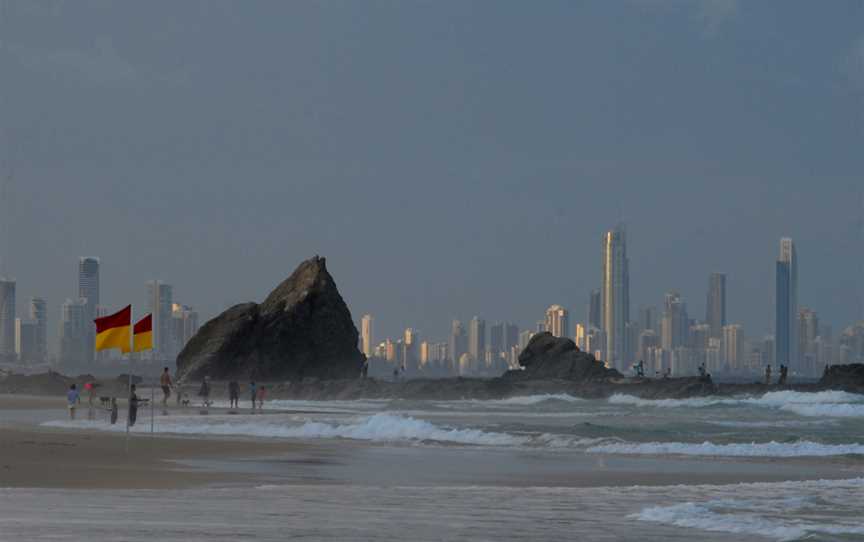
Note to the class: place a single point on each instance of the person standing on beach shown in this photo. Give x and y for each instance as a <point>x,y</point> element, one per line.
<point>768,375</point>
<point>72,398</point>
<point>133,406</point>
<point>234,394</point>
<point>165,382</point>
<point>204,392</point>
<point>253,392</point>
<point>262,394</point>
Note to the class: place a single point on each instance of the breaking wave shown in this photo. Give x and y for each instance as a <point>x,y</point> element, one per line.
<point>823,403</point>
<point>378,428</point>
<point>753,449</point>
<point>775,518</point>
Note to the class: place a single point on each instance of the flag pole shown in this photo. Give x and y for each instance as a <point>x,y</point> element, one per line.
<point>129,395</point>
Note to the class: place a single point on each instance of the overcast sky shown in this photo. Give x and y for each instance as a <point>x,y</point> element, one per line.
<point>448,158</point>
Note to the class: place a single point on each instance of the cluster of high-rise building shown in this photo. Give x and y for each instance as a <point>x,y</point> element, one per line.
<point>469,351</point>
<point>25,340</point>
<point>667,339</point>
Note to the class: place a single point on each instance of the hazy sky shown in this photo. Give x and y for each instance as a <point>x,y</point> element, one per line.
<point>448,158</point>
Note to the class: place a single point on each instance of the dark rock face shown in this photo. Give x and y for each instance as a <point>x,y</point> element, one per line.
<point>849,376</point>
<point>550,357</point>
<point>302,330</point>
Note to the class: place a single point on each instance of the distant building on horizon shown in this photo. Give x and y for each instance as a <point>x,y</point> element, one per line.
<point>557,321</point>
<point>594,310</point>
<point>477,338</point>
<point>458,341</point>
<point>25,341</point>
<point>160,301</point>
<point>39,314</point>
<point>73,333</point>
<point>7,319</point>
<point>367,335</point>
<point>89,291</point>
<point>184,325</point>
<point>615,296</point>
<point>715,308</point>
<point>786,305</point>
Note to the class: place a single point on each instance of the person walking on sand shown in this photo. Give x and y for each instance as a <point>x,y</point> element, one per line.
<point>234,394</point>
<point>253,392</point>
<point>133,406</point>
<point>204,392</point>
<point>262,394</point>
<point>72,398</point>
<point>165,382</point>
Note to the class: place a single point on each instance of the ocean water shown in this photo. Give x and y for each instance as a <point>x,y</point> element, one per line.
<point>543,467</point>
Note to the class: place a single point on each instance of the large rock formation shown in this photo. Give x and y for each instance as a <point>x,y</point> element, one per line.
<point>550,357</point>
<point>303,329</point>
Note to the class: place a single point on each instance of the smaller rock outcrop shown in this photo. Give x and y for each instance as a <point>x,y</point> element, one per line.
<point>550,357</point>
<point>847,377</point>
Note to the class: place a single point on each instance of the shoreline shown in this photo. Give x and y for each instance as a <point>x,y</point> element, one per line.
<point>34,456</point>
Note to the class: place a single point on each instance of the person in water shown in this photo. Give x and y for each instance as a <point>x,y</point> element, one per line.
<point>72,398</point>
<point>133,406</point>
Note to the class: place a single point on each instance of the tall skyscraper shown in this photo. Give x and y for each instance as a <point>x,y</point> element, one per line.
<point>558,321</point>
<point>39,314</point>
<point>458,340</point>
<point>808,331</point>
<point>732,346</point>
<point>477,338</point>
<point>367,334</point>
<point>511,336</point>
<point>73,333</point>
<point>615,296</point>
<point>496,337</point>
<point>7,319</point>
<point>715,308</point>
<point>648,319</point>
<point>675,325</point>
<point>25,340</point>
<point>160,301</point>
<point>786,300</point>
<point>594,310</point>
<point>88,290</point>
<point>184,322</point>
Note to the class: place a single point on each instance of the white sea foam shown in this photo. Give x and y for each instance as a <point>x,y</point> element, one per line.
<point>841,410</point>
<point>531,399</point>
<point>768,515</point>
<point>378,428</point>
<point>753,449</point>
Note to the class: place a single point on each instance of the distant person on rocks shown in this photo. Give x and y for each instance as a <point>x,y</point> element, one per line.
<point>165,382</point>
<point>133,406</point>
<point>234,394</point>
<point>364,371</point>
<point>204,391</point>
<point>640,369</point>
<point>253,392</point>
<point>767,375</point>
<point>72,399</point>
<point>784,374</point>
<point>262,394</point>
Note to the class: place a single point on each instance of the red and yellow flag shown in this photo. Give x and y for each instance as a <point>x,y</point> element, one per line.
<point>113,331</point>
<point>143,334</point>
